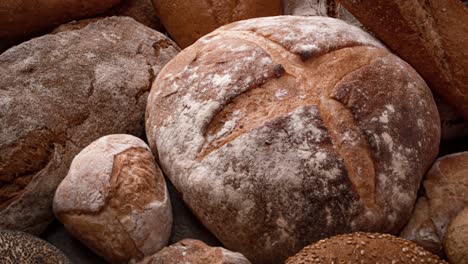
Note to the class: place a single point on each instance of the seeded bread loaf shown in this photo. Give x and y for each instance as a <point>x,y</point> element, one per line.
<point>364,248</point>
<point>282,131</point>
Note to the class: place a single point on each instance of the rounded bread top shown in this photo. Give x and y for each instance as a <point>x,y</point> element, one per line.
<point>267,115</point>
<point>363,247</point>
<point>88,184</point>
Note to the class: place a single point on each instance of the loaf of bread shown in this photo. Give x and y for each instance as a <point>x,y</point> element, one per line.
<point>23,17</point>
<point>456,241</point>
<point>61,92</point>
<point>430,35</point>
<point>140,10</point>
<point>194,252</point>
<point>187,21</point>
<point>22,248</point>
<point>421,229</point>
<point>446,187</point>
<point>364,248</point>
<point>282,131</point>
<point>114,199</point>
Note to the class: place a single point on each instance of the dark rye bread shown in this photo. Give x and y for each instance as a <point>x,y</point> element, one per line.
<point>281,131</point>
<point>430,35</point>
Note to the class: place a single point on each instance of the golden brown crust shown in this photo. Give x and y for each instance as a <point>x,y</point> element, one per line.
<point>364,248</point>
<point>194,252</point>
<point>187,21</point>
<point>281,131</point>
<point>114,199</point>
<point>430,35</point>
<point>52,106</point>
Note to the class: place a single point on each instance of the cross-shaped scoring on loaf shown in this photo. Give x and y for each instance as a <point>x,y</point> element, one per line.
<point>221,102</point>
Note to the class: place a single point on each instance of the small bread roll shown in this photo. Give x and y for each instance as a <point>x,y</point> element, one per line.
<point>114,199</point>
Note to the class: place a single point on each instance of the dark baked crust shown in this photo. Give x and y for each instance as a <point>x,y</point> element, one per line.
<point>187,21</point>
<point>281,131</point>
<point>22,17</point>
<point>61,92</point>
<point>430,35</point>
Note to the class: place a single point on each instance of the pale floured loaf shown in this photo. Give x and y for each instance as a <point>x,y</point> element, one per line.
<point>114,199</point>
<point>281,131</point>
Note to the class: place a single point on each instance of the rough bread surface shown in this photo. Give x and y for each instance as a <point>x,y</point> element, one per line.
<point>195,252</point>
<point>430,35</point>
<point>114,199</point>
<point>446,186</point>
<point>187,21</point>
<point>421,229</point>
<point>456,242</point>
<point>60,92</point>
<point>364,248</point>
<point>281,131</point>
<point>19,247</point>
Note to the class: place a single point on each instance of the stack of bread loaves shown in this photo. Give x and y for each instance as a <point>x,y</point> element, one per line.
<point>284,131</point>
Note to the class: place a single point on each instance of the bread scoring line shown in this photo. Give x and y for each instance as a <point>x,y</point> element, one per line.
<point>292,64</point>
<point>296,67</point>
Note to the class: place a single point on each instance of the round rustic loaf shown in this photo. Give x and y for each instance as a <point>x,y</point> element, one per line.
<point>456,242</point>
<point>61,92</point>
<point>195,252</point>
<point>18,247</point>
<point>282,131</point>
<point>114,199</point>
<point>364,248</point>
<point>187,21</point>
<point>23,17</point>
